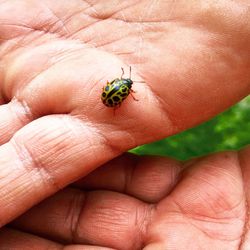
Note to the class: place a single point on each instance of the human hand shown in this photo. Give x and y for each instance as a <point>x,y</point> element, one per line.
<point>145,203</point>
<point>194,61</point>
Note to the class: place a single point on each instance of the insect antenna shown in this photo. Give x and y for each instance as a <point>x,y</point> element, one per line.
<point>122,73</point>
<point>139,81</point>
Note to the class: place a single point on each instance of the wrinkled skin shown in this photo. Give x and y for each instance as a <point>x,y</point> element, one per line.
<point>194,59</point>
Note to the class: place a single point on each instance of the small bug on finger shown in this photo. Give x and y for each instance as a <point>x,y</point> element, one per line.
<point>116,91</point>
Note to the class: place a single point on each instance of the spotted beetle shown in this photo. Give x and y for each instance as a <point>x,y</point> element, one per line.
<point>116,91</point>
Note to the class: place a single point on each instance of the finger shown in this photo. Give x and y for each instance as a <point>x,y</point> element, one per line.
<point>45,156</point>
<point>13,239</point>
<point>89,218</point>
<point>147,178</point>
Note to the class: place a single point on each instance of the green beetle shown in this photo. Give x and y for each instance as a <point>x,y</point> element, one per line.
<point>116,91</point>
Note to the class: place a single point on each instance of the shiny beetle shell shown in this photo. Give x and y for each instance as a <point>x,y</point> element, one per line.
<point>115,92</point>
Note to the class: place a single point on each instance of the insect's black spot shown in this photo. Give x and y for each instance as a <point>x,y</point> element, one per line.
<point>112,91</point>
<point>103,94</point>
<point>116,99</point>
<point>124,90</point>
<point>107,88</point>
<point>119,93</point>
<point>110,102</point>
<point>123,95</point>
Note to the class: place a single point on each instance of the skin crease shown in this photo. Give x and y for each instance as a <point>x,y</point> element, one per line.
<point>194,59</point>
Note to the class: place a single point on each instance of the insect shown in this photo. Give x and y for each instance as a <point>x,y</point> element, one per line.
<point>116,91</point>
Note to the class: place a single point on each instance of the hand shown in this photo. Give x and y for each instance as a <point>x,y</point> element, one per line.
<point>193,58</point>
<point>151,202</point>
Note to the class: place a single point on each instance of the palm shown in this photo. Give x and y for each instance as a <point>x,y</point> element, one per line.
<point>194,62</point>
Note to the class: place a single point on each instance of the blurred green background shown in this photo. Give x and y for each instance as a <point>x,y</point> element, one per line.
<point>228,130</point>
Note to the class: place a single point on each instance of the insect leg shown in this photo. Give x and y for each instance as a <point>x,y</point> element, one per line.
<point>133,96</point>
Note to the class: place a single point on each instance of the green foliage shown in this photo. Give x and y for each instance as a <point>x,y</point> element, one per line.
<point>227,131</point>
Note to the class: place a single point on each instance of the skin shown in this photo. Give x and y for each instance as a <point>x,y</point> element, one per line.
<point>194,59</point>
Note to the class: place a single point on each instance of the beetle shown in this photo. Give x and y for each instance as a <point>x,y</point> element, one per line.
<point>116,91</point>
